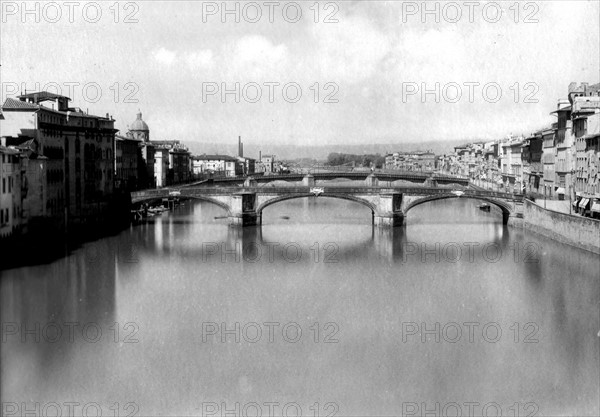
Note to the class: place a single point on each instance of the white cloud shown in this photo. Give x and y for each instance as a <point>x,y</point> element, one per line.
<point>202,59</point>
<point>435,54</point>
<point>164,56</point>
<point>349,51</point>
<point>255,49</point>
<point>256,57</point>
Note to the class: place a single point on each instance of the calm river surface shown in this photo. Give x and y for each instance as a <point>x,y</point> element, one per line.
<point>314,313</point>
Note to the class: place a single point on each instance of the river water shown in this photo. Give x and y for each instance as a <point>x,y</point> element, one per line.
<point>314,313</point>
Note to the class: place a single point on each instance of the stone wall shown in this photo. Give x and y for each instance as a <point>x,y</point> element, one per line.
<point>581,232</point>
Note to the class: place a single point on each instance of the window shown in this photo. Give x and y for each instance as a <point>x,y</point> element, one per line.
<point>3,185</point>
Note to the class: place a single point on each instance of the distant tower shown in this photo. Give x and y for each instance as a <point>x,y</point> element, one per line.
<point>240,147</point>
<point>139,129</point>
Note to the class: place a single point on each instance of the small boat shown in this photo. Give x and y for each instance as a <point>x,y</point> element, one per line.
<point>136,216</point>
<point>285,217</point>
<point>157,210</point>
<point>484,207</point>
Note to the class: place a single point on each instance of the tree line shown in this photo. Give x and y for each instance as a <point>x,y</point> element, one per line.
<point>368,160</point>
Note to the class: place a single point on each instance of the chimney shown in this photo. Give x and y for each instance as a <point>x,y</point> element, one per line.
<point>260,155</point>
<point>585,87</point>
<point>240,153</point>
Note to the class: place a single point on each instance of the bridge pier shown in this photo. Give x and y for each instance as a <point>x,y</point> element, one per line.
<point>308,181</point>
<point>430,182</point>
<point>372,181</point>
<point>512,219</point>
<point>245,219</point>
<point>250,182</point>
<point>388,220</point>
<point>388,210</point>
<point>243,210</point>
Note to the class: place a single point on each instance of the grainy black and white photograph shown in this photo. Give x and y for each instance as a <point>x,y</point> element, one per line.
<point>300,208</point>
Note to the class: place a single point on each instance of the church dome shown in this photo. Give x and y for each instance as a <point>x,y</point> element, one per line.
<point>139,124</point>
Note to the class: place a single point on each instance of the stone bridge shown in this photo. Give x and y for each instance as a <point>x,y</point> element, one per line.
<point>379,176</point>
<point>389,206</point>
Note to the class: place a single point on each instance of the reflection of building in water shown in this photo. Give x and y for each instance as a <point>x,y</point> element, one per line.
<point>60,322</point>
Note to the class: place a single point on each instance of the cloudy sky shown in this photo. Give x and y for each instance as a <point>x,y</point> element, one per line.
<point>360,68</point>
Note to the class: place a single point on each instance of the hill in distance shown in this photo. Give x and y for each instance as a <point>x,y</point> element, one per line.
<point>287,152</point>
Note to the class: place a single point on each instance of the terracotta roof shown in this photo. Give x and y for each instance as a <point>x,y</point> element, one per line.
<point>12,104</point>
<point>43,95</point>
<point>214,157</point>
<point>121,137</point>
<point>8,151</point>
<point>26,144</point>
<point>563,109</point>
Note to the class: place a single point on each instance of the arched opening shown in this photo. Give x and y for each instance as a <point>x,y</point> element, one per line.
<point>218,203</point>
<point>326,207</point>
<point>153,200</point>
<point>503,208</point>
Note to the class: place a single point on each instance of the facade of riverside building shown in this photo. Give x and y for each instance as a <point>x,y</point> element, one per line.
<point>217,165</point>
<point>10,192</point>
<point>79,152</point>
<point>128,155</point>
<point>560,161</point>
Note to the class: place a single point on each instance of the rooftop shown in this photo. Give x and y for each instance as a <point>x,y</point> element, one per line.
<point>586,103</point>
<point>8,151</point>
<point>41,96</point>
<point>10,104</point>
<point>121,137</point>
<point>567,108</point>
<point>139,124</point>
<point>214,158</point>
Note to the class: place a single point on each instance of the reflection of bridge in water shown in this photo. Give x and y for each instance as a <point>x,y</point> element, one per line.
<point>387,244</point>
<point>389,205</point>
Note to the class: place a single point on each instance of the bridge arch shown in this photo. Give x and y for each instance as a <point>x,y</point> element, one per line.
<point>214,201</point>
<point>278,199</point>
<point>504,207</point>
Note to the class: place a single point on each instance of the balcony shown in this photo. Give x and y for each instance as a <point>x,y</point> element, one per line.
<point>586,104</point>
